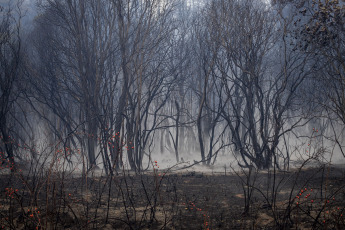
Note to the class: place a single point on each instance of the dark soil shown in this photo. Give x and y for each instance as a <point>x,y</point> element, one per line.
<point>306,199</point>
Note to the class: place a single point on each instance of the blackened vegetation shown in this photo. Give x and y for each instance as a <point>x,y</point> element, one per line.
<point>306,198</point>
<point>93,94</point>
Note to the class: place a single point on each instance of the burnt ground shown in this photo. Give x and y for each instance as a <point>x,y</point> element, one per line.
<point>306,199</point>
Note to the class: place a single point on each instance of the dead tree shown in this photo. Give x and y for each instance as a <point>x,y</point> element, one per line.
<point>257,77</point>
<point>10,70</point>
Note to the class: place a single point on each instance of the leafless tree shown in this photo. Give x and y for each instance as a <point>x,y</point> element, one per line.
<point>106,64</point>
<point>74,45</point>
<point>257,77</point>
<point>10,71</point>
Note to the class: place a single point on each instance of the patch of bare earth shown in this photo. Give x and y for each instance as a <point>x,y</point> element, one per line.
<point>174,201</point>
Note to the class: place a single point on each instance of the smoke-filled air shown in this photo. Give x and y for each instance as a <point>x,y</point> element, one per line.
<point>172,114</point>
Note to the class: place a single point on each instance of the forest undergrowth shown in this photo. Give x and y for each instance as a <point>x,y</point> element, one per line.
<point>308,197</point>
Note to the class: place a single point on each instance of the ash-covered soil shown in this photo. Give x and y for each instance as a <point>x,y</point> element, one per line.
<point>301,199</point>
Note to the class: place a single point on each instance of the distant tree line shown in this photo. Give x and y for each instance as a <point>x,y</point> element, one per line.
<point>123,80</point>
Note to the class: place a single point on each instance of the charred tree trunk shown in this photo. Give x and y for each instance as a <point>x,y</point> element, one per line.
<point>177,131</point>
